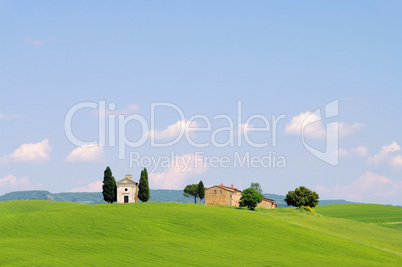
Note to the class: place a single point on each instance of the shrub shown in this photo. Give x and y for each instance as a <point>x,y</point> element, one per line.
<point>307,208</point>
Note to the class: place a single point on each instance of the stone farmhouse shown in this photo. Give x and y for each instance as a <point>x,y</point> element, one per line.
<point>267,203</point>
<point>229,196</point>
<point>127,190</point>
<point>222,195</point>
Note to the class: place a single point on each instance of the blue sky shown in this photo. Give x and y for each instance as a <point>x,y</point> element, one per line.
<point>275,58</point>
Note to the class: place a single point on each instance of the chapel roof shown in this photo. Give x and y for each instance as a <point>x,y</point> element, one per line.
<point>126,181</point>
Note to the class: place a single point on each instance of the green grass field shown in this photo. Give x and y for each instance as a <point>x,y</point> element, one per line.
<point>45,233</point>
<point>372,213</point>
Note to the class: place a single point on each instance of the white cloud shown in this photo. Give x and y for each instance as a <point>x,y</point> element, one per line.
<point>174,130</point>
<point>360,151</point>
<point>179,170</point>
<point>86,153</point>
<point>368,187</point>
<point>11,180</point>
<point>343,152</point>
<point>30,153</point>
<point>32,41</point>
<point>92,187</point>
<point>131,108</point>
<point>5,116</point>
<point>244,128</point>
<point>396,161</point>
<point>388,155</point>
<point>314,127</point>
<point>346,129</point>
<point>12,183</point>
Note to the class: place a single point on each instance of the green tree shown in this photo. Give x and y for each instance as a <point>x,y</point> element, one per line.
<point>201,191</point>
<point>143,188</point>
<point>302,196</point>
<point>191,190</point>
<point>250,198</point>
<point>109,188</point>
<point>257,187</point>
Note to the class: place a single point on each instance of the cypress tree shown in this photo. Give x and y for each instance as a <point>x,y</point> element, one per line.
<point>143,188</point>
<point>109,187</point>
<point>201,191</point>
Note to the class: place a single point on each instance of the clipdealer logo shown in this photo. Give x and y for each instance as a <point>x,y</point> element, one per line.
<point>112,132</point>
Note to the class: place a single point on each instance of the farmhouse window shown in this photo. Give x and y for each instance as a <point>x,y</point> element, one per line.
<point>214,191</point>
<point>221,191</point>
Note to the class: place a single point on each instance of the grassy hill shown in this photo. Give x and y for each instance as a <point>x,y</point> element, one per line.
<point>372,213</point>
<point>57,233</point>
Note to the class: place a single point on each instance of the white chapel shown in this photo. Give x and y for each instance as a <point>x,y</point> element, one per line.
<point>127,190</point>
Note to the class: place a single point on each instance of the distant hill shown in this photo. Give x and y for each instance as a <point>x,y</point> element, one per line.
<point>86,198</point>
<point>280,200</point>
<point>157,195</point>
<point>335,201</point>
<point>27,195</point>
<point>165,195</point>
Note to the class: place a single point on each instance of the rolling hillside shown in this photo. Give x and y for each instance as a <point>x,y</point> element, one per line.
<point>381,215</point>
<point>57,233</point>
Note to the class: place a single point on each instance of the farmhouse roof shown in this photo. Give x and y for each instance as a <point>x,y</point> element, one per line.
<point>268,199</point>
<point>232,189</point>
